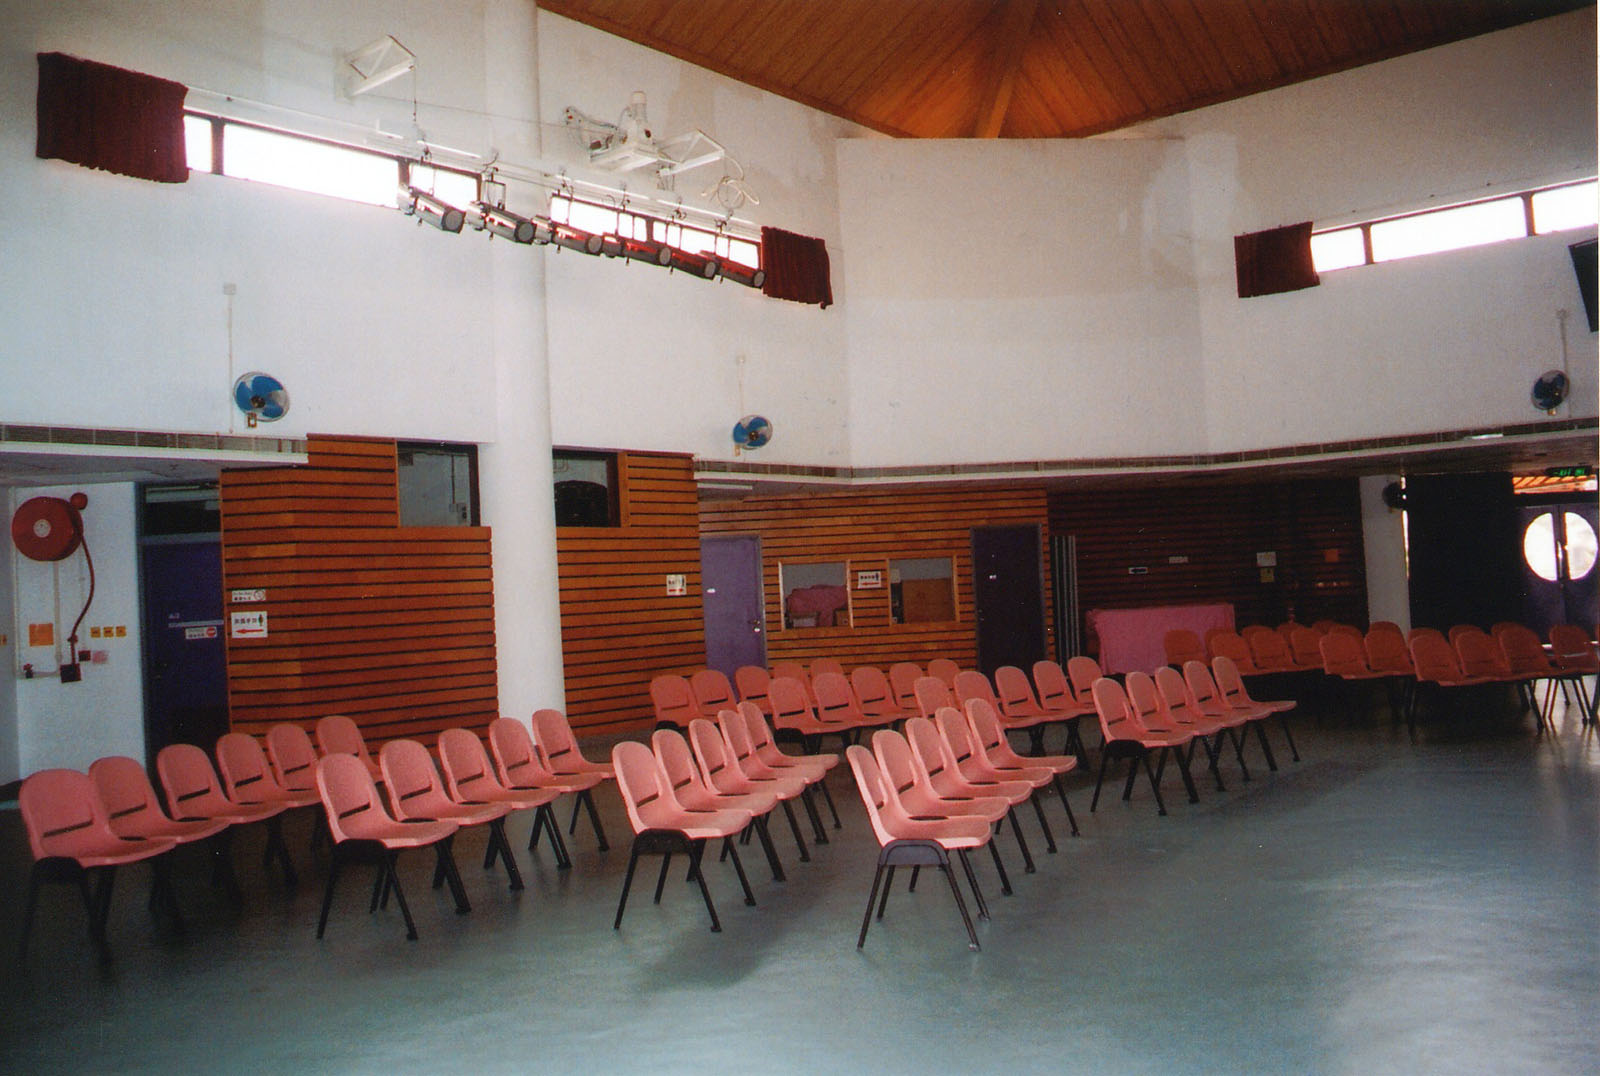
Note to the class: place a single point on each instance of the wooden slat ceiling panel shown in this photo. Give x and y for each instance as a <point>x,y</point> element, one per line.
<point>948,69</point>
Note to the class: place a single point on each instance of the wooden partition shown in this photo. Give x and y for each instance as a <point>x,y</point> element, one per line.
<point>391,625</point>
<point>619,624</point>
<point>868,529</point>
<point>1185,544</point>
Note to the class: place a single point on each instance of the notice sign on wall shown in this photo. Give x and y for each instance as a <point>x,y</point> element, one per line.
<point>249,625</point>
<point>200,631</point>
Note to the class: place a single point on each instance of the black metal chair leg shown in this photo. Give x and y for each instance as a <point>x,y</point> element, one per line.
<point>794,827</point>
<point>697,850</point>
<point>399,895</point>
<point>627,883</point>
<point>334,862</point>
<point>445,854</point>
<point>1000,868</point>
<point>1105,757</point>
<point>1155,780</point>
<point>661,879</point>
<point>1061,793</point>
<point>888,883</point>
<point>961,905</point>
<point>738,868</point>
<point>808,800</point>
<point>1049,837</point>
<point>501,846</point>
<point>872,898</point>
<point>767,848</point>
<point>1294,752</point>
<point>1022,842</point>
<point>587,800</point>
<point>972,880</point>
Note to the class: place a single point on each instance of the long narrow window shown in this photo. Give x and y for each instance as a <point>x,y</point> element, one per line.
<point>1515,216</point>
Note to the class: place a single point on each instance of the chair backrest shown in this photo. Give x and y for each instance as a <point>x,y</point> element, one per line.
<point>717,764</point>
<point>1385,627</point>
<point>349,796</point>
<point>736,735</point>
<point>1180,702</point>
<point>836,702</point>
<point>1304,645</point>
<point>641,785</point>
<point>293,758</point>
<point>792,670</point>
<point>1336,628</point>
<point>468,774</point>
<point>414,784</point>
<point>558,747</point>
<point>903,677</point>
<point>933,693</point>
<point>672,699</point>
<point>1269,650</point>
<point>933,754</point>
<point>676,761</point>
<point>1083,671</point>
<point>711,690</point>
<point>1430,633</point>
<point>1571,647</point>
<point>873,690</point>
<point>1480,655</point>
<point>957,734</point>
<point>872,786</point>
<point>898,764</point>
<point>187,778</point>
<point>944,669</point>
<point>58,806</point>
<point>1053,687</point>
<point>1252,629</point>
<point>986,729</point>
<point>1231,644</point>
<point>761,736</point>
<point>1522,649</point>
<point>1458,630</point>
<point>1182,645</point>
<point>1387,651</point>
<point>1434,658</point>
<point>338,735</point>
<point>1145,703</point>
<point>1014,692</point>
<point>1202,687</point>
<point>1286,629</point>
<point>825,665</point>
<point>1230,682</point>
<point>244,769</point>
<point>124,789</point>
<point>752,680</point>
<point>1111,706</point>
<point>1342,654</point>
<point>791,703</point>
<point>971,684</point>
<point>516,759</point>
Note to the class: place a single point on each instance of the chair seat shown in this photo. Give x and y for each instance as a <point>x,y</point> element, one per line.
<point>91,849</point>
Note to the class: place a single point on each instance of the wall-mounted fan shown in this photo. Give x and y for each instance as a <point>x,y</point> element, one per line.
<point>261,397</point>
<point>1550,391</point>
<point>51,529</point>
<point>752,431</point>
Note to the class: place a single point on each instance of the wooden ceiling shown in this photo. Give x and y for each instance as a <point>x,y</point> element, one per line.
<point>1030,69</point>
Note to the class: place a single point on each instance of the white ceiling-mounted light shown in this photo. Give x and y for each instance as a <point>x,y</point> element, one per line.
<point>430,210</point>
<point>565,235</point>
<point>376,63</point>
<point>497,220</point>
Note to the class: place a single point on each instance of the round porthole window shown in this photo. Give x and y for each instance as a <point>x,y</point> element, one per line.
<point>1539,546</point>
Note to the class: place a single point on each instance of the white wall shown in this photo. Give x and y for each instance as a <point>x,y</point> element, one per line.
<point>1019,300</point>
<point>1383,542</point>
<point>640,358</point>
<point>102,714</point>
<point>10,758</point>
<point>1077,299</point>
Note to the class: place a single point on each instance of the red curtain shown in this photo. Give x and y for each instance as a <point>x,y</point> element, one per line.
<point>1274,261</point>
<point>796,267</point>
<point>101,116</point>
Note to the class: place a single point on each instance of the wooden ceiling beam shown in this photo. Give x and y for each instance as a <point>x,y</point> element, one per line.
<point>1016,21</point>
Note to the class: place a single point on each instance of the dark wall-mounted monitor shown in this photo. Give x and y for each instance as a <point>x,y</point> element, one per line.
<point>1583,264</point>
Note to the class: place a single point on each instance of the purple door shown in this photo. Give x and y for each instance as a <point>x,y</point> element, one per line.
<point>730,572</point>
<point>186,689</point>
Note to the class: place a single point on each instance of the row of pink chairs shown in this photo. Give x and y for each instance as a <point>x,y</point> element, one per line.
<point>81,826</point>
<point>1166,715</point>
<point>722,780</point>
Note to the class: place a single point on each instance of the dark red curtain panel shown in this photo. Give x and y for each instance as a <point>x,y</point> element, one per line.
<point>101,116</point>
<point>1274,261</point>
<point>797,267</point>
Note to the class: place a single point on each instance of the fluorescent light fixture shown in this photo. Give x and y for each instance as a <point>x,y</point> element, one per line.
<point>431,211</point>
<point>743,274</point>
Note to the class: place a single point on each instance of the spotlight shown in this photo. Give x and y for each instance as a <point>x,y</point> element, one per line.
<point>430,210</point>
<point>565,235</point>
<point>646,250</point>
<point>611,245</point>
<point>701,265</point>
<point>743,274</point>
<point>497,220</point>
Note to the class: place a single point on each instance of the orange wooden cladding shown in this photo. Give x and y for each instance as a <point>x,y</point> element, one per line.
<point>619,627</point>
<point>868,529</point>
<point>1313,528</point>
<point>391,625</point>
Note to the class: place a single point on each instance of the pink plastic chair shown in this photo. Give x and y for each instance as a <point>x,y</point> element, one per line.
<point>519,768</point>
<point>711,690</point>
<point>991,740</point>
<point>72,841</point>
<point>752,681</point>
<point>661,826</point>
<point>741,745</point>
<point>836,702</point>
<point>417,794</point>
<point>1204,693</point>
<point>974,764</point>
<point>767,751</point>
<point>939,762</point>
<point>932,694</point>
<point>673,701</point>
<point>904,841</point>
<point>470,778</point>
<point>1181,645</point>
<point>1125,738</point>
<point>825,665</point>
<point>293,758</point>
<point>724,775</point>
<point>558,749</point>
<point>338,735</point>
<point>876,696</point>
<point>193,792</point>
<point>794,711</point>
<point>132,811</point>
<point>944,669</point>
<point>1060,697</point>
<point>689,788</point>
<point>903,677</point>
<point>363,830</point>
<point>1231,684</point>
<point>1019,708</point>
<point>247,777</point>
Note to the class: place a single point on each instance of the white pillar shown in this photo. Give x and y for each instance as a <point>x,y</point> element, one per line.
<point>515,481</point>
<point>1383,539</point>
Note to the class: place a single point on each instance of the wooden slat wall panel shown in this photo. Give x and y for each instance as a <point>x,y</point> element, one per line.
<point>867,529</point>
<point>618,626</point>
<point>1314,527</point>
<point>391,625</point>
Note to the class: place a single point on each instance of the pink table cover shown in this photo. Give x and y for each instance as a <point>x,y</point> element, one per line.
<point>1131,639</point>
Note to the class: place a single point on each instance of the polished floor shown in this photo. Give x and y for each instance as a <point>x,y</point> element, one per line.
<point>1379,907</point>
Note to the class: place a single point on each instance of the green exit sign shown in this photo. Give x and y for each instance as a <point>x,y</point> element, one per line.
<point>1568,472</point>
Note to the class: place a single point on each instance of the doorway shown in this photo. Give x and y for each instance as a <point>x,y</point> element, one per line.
<point>1008,596</point>
<point>185,661</point>
<point>735,617</point>
<point>1558,561</point>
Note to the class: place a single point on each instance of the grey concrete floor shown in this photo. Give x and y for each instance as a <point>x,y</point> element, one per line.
<point>1381,906</point>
